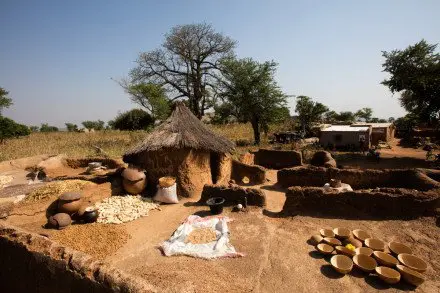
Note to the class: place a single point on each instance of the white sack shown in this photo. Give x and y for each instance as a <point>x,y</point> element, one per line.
<point>167,194</point>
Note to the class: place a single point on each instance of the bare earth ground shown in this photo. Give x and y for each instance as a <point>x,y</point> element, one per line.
<point>278,258</point>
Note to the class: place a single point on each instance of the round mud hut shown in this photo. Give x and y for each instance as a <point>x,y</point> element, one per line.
<point>185,148</point>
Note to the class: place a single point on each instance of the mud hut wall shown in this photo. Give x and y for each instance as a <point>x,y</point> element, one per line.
<point>225,169</point>
<point>234,195</point>
<point>194,173</point>
<point>387,203</point>
<point>247,158</point>
<point>191,169</point>
<point>33,263</point>
<point>358,179</point>
<point>255,173</point>
<point>277,159</point>
<point>344,138</point>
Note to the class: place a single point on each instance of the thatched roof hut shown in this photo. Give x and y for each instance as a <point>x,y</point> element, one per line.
<point>185,148</point>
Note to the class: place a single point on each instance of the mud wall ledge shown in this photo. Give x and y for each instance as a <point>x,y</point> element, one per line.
<point>33,263</point>
<point>234,194</point>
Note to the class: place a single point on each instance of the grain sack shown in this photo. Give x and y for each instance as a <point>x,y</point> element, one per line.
<point>167,194</point>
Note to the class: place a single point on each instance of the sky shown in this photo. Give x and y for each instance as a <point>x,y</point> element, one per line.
<point>58,59</point>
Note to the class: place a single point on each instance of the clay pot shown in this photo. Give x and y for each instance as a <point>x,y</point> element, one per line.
<point>134,180</point>
<point>375,244</point>
<point>413,262</point>
<point>324,248</point>
<point>60,220</point>
<point>361,234</point>
<point>364,250</point>
<point>327,233</point>
<point>385,259</point>
<point>332,241</point>
<point>350,240</point>
<point>316,239</point>
<point>410,276</point>
<point>90,215</point>
<point>341,263</point>
<point>364,262</point>
<point>388,275</point>
<point>342,233</point>
<point>398,248</point>
<point>69,202</point>
<point>345,251</point>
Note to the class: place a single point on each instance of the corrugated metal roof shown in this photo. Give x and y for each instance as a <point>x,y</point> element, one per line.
<point>379,125</point>
<point>347,128</point>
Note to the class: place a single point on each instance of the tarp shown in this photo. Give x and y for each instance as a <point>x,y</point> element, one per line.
<point>221,247</point>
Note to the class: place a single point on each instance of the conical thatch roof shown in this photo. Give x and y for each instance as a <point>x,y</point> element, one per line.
<point>182,130</point>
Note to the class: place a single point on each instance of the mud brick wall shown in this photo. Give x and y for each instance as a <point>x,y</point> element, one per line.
<point>256,174</point>
<point>381,203</point>
<point>358,179</point>
<point>277,159</point>
<point>234,194</point>
<point>33,263</point>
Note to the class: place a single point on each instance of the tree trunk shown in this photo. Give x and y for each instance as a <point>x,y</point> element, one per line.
<point>255,126</point>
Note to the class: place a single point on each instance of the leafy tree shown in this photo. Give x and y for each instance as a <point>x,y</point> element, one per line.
<point>251,90</point>
<point>47,128</point>
<point>135,119</point>
<point>150,96</point>
<point>224,112</point>
<point>415,74</point>
<point>377,120</point>
<point>391,119</point>
<point>10,129</point>
<point>346,116</point>
<point>330,116</point>
<point>34,128</point>
<point>309,111</point>
<point>186,64</point>
<point>71,127</point>
<point>96,125</point>
<point>365,113</point>
<point>5,102</point>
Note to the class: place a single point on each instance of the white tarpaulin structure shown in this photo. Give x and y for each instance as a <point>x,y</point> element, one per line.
<point>177,244</point>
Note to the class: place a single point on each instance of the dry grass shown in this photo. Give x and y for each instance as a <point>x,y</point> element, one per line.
<point>114,143</point>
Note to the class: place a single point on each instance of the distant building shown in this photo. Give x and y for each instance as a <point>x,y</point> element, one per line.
<point>379,131</point>
<point>346,136</point>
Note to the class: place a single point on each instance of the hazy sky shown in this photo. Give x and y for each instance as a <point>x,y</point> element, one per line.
<point>57,58</point>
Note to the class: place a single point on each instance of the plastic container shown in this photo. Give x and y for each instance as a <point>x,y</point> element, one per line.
<point>216,205</point>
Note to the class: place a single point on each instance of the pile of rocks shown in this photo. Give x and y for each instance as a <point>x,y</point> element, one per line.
<point>121,209</point>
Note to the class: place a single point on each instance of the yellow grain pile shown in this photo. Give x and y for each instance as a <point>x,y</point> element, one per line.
<point>4,180</point>
<point>201,236</point>
<point>55,189</point>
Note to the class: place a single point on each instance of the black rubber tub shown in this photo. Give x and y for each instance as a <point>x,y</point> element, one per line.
<point>216,205</point>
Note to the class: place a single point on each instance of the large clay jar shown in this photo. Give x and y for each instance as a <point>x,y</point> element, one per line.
<point>69,202</point>
<point>134,180</point>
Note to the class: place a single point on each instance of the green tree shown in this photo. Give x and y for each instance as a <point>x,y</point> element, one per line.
<point>391,119</point>
<point>308,112</point>
<point>71,127</point>
<point>34,128</point>
<point>186,64</point>
<point>10,129</point>
<point>365,113</point>
<point>5,102</point>
<point>251,89</point>
<point>346,116</point>
<point>415,74</point>
<point>96,125</point>
<point>47,128</point>
<point>135,119</point>
<point>150,96</point>
<point>330,116</point>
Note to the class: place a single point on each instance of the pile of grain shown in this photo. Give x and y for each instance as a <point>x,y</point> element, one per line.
<point>97,240</point>
<point>120,209</point>
<point>5,180</point>
<point>201,236</point>
<point>55,189</point>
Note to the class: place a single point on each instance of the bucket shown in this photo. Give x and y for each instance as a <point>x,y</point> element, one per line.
<point>216,205</point>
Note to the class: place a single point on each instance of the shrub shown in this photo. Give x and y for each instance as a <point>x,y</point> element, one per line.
<point>135,119</point>
<point>10,129</point>
<point>47,128</point>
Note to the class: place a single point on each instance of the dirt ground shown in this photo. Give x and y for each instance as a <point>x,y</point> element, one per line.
<point>277,257</point>
<point>397,157</point>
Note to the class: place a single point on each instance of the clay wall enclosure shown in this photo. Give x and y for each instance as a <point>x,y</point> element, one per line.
<point>359,179</point>
<point>33,263</point>
<point>277,159</point>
